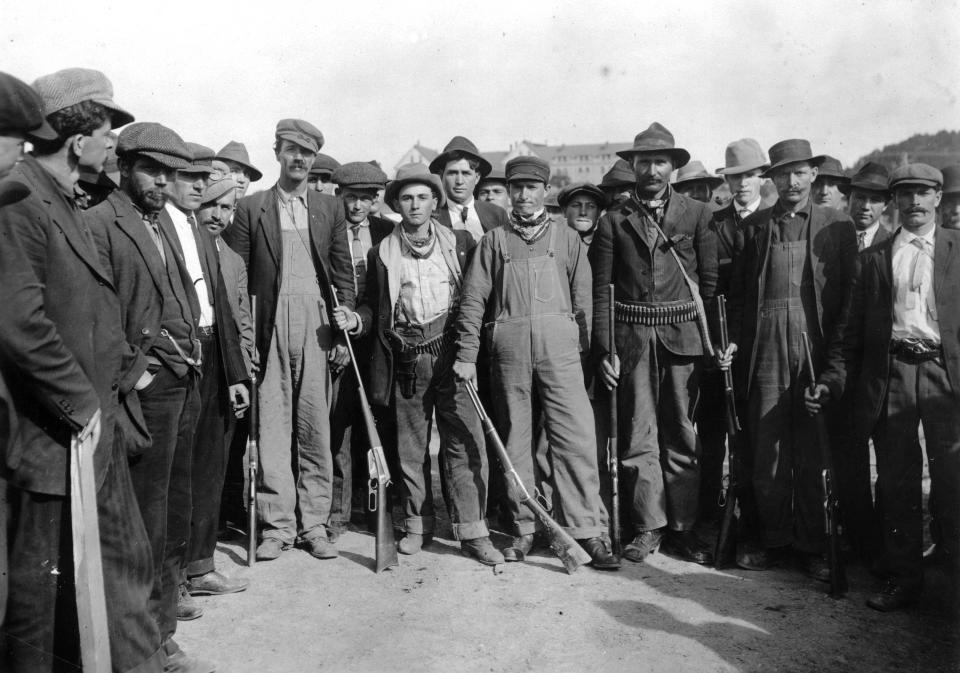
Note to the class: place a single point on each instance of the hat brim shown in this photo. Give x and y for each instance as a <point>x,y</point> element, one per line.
<point>680,155</point>
<point>875,187</point>
<point>300,142</point>
<point>432,181</point>
<point>362,185</point>
<point>712,180</point>
<point>515,177</point>
<point>198,168</point>
<point>814,160</point>
<point>167,160</point>
<point>254,173</point>
<point>12,191</point>
<point>118,116</point>
<point>43,132</point>
<point>599,196</point>
<point>914,181</point>
<point>746,168</point>
<point>440,162</point>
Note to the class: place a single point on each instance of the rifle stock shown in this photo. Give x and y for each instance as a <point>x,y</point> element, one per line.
<point>564,546</point>
<point>613,451</point>
<point>253,455</point>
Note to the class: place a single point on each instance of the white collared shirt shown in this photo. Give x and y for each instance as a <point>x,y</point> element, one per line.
<point>472,224</point>
<point>427,286</point>
<point>914,309</point>
<point>191,257</point>
<point>747,210</point>
<point>868,234</point>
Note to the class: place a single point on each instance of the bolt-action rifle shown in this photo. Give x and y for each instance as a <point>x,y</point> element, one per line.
<point>729,497</point>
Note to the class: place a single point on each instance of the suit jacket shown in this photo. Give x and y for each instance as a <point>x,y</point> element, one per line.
<point>383,290</point>
<point>491,216</point>
<point>832,253</point>
<point>858,361</point>
<point>728,227</point>
<point>621,254</point>
<point>234,274</point>
<point>61,342</point>
<point>255,235</point>
<point>380,228</point>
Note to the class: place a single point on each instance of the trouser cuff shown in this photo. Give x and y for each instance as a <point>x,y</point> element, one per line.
<point>313,533</point>
<point>200,567</point>
<point>471,530</point>
<point>152,664</point>
<point>526,527</point>
<point>421,525</point>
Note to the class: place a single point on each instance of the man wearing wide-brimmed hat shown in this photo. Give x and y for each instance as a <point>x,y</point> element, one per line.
<point>695,182</point>
<point>660,253</point>
<point>950,205</point>
<point>414,285</point>
<point>827,188</point>
<point>868,196</point>
<point>234,154</point>
<point>460,167</point>
<point>294,242</point>
<point>791,278</point>
<point>618,182</point>
<point>62,353</point>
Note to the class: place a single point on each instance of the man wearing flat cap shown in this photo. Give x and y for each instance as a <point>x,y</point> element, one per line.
<point>695,182</point>
<point>234,154</point>
<point>70,373</point>
<point>950,205</point>
<point>898,351</point>
<point>792,277</point>
<point>659,252</point>
<point>294,243</point>
<point>492,188</point>
<point>321,174</point>
<point>827,188</point>
<point>532,278</point>
<point>460,167</point>
<point>582,203</point>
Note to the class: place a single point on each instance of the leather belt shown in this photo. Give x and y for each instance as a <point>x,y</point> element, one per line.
<point>655,313</point>
<point>205,330</point>
<point>914,351</point>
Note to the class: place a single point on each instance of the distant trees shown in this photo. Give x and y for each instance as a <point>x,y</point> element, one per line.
<point>938,149</point>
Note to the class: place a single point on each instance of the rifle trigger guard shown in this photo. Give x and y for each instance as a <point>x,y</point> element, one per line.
<point>539,497</point>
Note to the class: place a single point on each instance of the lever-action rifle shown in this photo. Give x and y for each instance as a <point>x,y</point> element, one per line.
<point>613,452</point>
<point>253,454</point>
<point>726,538</point>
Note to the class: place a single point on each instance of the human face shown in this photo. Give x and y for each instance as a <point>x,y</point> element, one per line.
<point>582,212</point>
<point>793,182</point>
<point>240,175</point>
<point>653,172</point>
<point>495,192</point>
<point>186,191</point>
<point>459,180</point>
<point>745,187</point>
<point>146,182</point>
<point>95,147</point>
<point>416,203</point>
<point>527,196</point>
<point>866,207</point>
<point>826,192</point>
<point>698,190</point>
<point>295,161</point>
<point>11,152</point>
<point>950,211</point>
<point>918,206</point>
<point>358,203</point>
<point>375,208</point>
<point>216,216</point>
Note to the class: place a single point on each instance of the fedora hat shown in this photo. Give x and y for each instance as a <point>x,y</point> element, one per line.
<point>872,177</point>
<point>742,156</point>
<point>656,139</point>
<point>790,152</point>
<point>237,153</point>
<point>619,175</point>
<point>414,174</point>
<point>459,145</point>
<point>951,179</point>
<point>696,172</point>
<point>832,168</point>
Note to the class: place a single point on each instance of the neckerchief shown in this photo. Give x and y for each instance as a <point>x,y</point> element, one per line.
<point>420,249</point>
<point>529,229</point>
<point>653,207</point>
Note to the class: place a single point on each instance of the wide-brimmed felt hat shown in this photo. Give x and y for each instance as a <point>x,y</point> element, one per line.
<point>790,152</point>
<point>459,145</point>
<point>695,171</point>
<point>916,174</point>
<point>742,156</point>
<point>951,179</point>
<point>201,161</point>
<point>301,132</point>
<point>359,175</point>
<point>872,177</point>
<point>21,109</point>
<point>620,175</point>
<point>832,168</point>
<point>527,168</point>
<point>237,153</point>
<point>156,142</point>
<point>551,201</point>
<point>566,194</point>
<point>415,173</point>
<point>656,139</point>
<point>324,164</point>
<point>70,86</point>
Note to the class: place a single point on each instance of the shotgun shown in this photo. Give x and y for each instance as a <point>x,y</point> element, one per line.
<point>831,524</point>
<point>726,542</point>
<point>565,547</point>
<point>378,473</point>
<point>253,455</point>
<point>613,455</point>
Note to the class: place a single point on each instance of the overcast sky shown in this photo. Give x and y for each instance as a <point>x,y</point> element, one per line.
<point>850,76</point>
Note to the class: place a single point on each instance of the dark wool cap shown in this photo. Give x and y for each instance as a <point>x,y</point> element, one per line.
<point>202,161</point>
<point>528,168</point>
<point>324,163</point>
<point>303,133</point>
<point>567,193</point>
<point>360,175</point>
<point>156,142</point>
<point>21,109</point>
<point>916,174</point>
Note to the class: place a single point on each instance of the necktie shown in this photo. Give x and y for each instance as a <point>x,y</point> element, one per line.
<point>357,252</point>
<point>150,219</point>
<point>861,240</point>
<point>919,264</point>
<point>202,255</point>
<point>463,214</point>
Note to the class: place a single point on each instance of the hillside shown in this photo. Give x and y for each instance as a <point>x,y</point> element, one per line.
<point>939,149</point>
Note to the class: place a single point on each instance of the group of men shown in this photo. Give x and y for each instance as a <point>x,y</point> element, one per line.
<point>140,311</point>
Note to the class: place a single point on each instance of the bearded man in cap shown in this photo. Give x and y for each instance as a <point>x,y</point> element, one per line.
<point>827,188</point>
<point>950,205</point>
<point>234,154</point>
<point>792,277</point>
<point>898,351</point>
<point>460,167</point>
<point>294,243</point>
<point>492,188</point>
<point>693,181</point>
<point>69,370</point>
<point>660,253</point>
<point>414,280</point>
<point>533,278</point>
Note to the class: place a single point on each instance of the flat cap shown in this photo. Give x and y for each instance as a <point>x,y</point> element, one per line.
<point>202,159</point>
<point>414,173</point>
<point>567,193</point>
<point>237,153</point>
<point>528,168</point>
<point>68,87</point>
<point>916,174</point>
<point>21,109</point>
<point>360,175</point>
<point>156,142</point>
<point>324,163</point>
<point>303,133</point>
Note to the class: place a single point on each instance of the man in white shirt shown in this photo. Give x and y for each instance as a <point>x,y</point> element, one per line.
<point>868,197</point>
<point>460,168</point>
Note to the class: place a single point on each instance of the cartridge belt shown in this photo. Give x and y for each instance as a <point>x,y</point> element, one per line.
<point>655,313</point>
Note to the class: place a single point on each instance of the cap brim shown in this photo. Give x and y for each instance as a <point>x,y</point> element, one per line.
<point>118,116</point>
<point>300,142</point>
<point>43,132</point>
<point>195,168</point>
<point>12,191</point>
<point>167,160</point>
<point>526,176</point>
<point>915,181</point>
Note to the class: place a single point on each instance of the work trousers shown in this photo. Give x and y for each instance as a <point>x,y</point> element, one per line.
<point>917,394</point>
<point>296,464</point>
<point>41,632</point>
<point>659,451</point>
<point>851,463</point>
<point>162,484</point>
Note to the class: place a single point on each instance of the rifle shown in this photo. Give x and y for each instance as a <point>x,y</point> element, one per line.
<point>728,498</point>
<point>565,547</point>
<point>838,575</point>
<point>253,455</point>
<point>377,470</point>
<point>613,453</point>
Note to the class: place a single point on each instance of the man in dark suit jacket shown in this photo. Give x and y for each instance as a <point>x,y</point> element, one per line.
<point>294,243</point>
<point>63,355</point>
<point>791,278</point>
<point>460,166</point>
<point>898,351</point>
<point>659,342</point>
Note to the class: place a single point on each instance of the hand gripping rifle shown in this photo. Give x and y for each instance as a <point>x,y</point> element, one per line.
<point>728,498</point>
<point>565,547</point>
<point>253,454</point>
<point>838,575</point>
<point>378,472</point>
<point>613,454</point>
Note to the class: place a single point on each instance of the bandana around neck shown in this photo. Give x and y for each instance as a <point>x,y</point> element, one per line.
<point>530,229</point>
<point>419,247</point>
